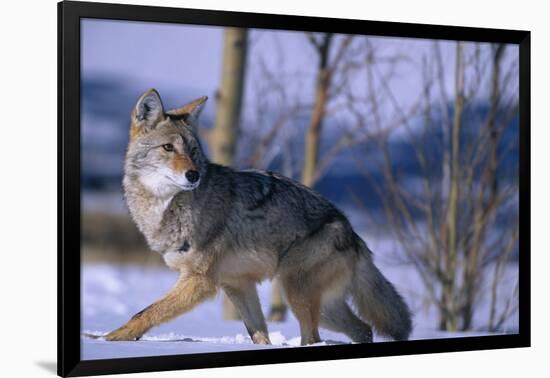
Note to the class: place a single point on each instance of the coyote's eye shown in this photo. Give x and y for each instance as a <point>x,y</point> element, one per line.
<point>168,147</point>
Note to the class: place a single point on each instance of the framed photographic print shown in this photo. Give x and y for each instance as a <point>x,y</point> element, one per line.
<point>240,188</point>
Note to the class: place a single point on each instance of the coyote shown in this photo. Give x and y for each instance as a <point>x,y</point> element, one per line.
<point>227,229</point>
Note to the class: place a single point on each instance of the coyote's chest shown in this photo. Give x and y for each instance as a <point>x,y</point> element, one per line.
<point>165,227</point>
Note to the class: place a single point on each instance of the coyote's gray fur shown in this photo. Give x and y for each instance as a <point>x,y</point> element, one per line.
<point>228,229</point>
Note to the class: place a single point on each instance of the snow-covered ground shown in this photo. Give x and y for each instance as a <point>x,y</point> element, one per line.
<point>111,294</point>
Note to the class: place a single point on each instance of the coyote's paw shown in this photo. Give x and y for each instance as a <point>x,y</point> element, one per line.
<point>124,333</point>
<point>260,338</point>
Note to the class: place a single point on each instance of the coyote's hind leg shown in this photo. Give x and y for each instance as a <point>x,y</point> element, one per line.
<point>337,316</point>
<point>305,305</point>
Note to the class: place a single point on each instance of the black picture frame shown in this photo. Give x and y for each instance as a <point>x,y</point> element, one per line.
<point>69,15</point>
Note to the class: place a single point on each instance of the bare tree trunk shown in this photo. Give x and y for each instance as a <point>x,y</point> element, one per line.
<point>277,312</point>
<point>223,139</point>
<point>448,319</point>
<point>311,150</point>
<point>489,181</point>
<point>446,139</point>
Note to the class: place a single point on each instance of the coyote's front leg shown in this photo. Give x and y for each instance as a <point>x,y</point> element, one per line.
<point>189,291</point>
<point>244,297</point>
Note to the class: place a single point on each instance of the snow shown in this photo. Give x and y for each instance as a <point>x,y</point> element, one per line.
<point>111,294</point>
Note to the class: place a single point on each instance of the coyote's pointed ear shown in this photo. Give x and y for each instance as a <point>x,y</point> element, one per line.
<point>149,110</point>
<point>190,112</point>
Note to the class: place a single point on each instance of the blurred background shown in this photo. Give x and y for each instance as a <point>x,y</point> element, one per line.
<point>415,140</point>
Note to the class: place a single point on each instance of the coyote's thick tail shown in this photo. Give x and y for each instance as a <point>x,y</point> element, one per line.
<point>377,301</point>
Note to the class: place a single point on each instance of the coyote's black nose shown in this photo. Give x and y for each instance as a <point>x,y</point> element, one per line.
<point>192,176</point>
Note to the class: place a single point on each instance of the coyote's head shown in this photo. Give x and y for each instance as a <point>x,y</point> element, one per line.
<point>164,153</point>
